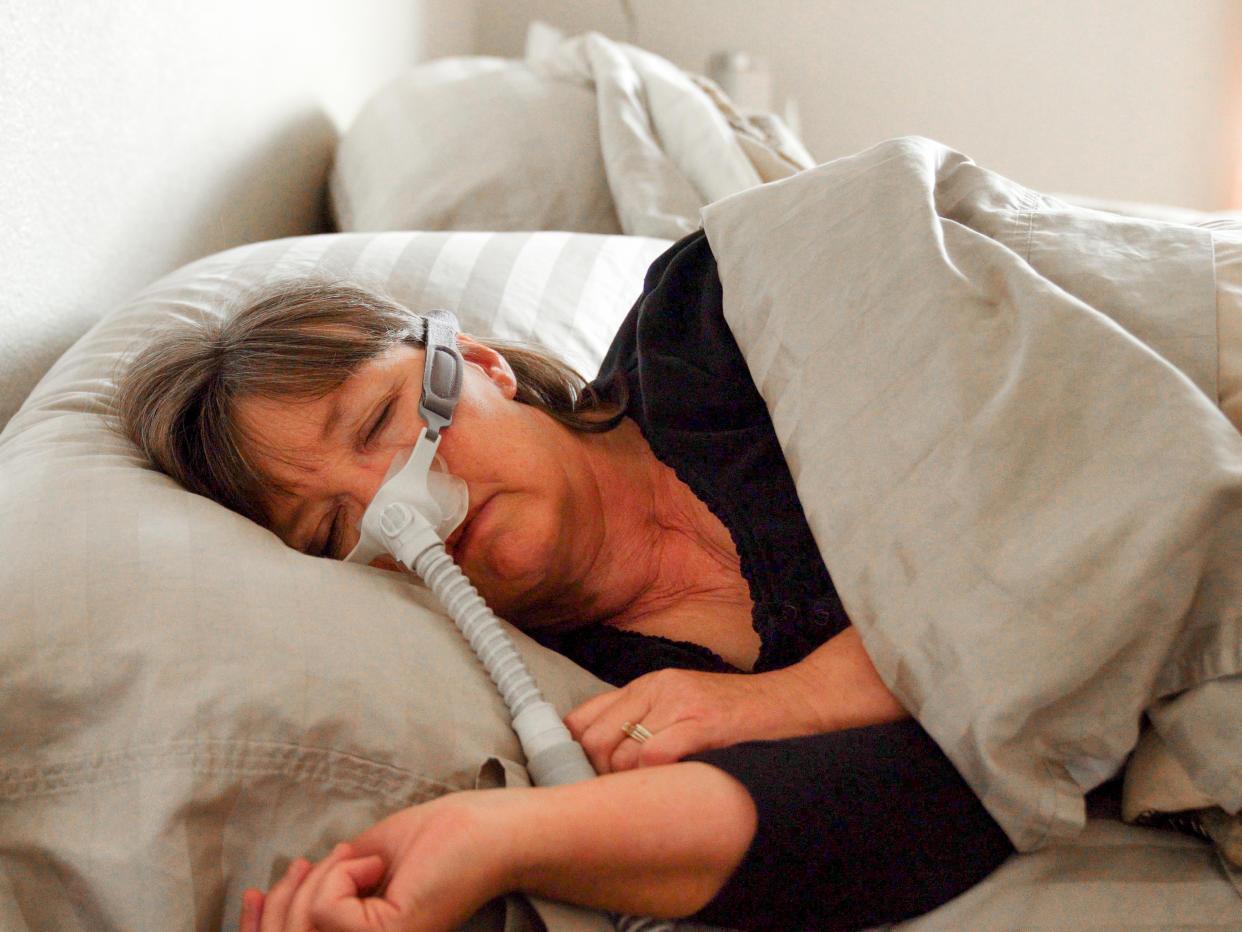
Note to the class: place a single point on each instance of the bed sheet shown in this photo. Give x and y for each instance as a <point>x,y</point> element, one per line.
<point>1111,876</point>
<point>1000,412</point>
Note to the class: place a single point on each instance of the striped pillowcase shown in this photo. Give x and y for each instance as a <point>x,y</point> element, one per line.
<point>189,700</point>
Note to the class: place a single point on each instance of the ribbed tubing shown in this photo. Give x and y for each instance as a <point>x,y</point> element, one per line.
<point>481,628</point>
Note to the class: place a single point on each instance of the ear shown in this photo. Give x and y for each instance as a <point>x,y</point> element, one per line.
<point>492,364</point>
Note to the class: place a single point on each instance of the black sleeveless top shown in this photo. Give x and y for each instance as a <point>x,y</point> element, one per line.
<point>858,827</point>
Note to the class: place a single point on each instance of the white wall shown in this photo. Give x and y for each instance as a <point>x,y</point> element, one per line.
<point>136,135</point>
<point>1128,99</point>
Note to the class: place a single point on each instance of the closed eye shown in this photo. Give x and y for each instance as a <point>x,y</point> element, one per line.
<point>377,426</point>
<point>333,550</point>
<point>331,546</point>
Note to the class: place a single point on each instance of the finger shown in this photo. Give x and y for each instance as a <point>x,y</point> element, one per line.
<point>610,742</point>
<point>625,756</point>
<point>299,908</point>
<point>666,744</point>
<point>341,902</point>
<point>606,740</point>
<point>276,903</point>
<point>251,911</point>
<point>587,712</point>
<point>673,743</point>
<point>602,741</point>
<point>384,839</point>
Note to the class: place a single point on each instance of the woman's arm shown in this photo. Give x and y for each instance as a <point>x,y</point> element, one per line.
<point>835,687</point>
<point>660,841</point>
<point>848,829</point>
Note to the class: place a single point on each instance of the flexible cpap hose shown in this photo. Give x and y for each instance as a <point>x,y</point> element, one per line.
<point>471,614</point>
<point>553,757</point>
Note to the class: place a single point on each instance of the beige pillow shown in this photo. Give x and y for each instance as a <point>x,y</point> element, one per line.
<point>188,703</point>
<point>474,144</point>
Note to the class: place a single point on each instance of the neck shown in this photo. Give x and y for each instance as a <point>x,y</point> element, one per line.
<point>663,564</point>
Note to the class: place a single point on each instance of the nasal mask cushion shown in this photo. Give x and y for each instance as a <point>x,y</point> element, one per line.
<point>418,483</point>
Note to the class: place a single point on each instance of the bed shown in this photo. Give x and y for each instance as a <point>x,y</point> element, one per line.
<point>189,703</point>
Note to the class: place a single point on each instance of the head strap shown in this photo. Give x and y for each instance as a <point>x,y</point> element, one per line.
<point>442,372</point>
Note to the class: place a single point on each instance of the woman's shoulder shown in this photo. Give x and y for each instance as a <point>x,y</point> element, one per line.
<point>681,310</point>
<point>682,367</point>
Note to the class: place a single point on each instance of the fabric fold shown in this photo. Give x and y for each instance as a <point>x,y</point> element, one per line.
<point>671,142</point>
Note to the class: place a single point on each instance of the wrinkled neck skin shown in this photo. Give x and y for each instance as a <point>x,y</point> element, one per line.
<point>662,563</point>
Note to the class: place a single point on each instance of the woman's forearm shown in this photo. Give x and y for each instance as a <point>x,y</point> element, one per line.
<point>659,841</point>
<point>836,686</point>
<point>656,842</point>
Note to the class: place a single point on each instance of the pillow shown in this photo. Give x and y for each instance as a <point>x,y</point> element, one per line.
<point>188,702</point>
<point>474,144</point>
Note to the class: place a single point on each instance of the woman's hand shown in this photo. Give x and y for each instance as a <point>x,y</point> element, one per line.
<point>425,869</point>
<point>686,711</point>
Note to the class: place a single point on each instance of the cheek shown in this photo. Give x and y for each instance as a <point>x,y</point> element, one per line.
<point>514,555</point>
<point>523,554</point>
<point>458,456</point>
<point>494,443</point>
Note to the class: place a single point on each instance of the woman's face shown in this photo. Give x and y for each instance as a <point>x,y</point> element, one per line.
<point>530,498</point>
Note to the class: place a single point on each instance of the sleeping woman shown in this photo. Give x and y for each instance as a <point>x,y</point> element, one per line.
<point>756,772</point>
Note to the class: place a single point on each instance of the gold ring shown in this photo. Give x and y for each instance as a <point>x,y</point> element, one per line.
<point>637,732</point>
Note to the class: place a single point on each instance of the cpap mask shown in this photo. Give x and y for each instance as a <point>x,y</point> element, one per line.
<point>419,495</point>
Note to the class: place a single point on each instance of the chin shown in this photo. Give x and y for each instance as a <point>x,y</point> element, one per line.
<point>513,578</point>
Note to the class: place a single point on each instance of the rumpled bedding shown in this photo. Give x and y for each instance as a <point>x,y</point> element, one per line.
<point>671,142</point>
<point>1000,414</point>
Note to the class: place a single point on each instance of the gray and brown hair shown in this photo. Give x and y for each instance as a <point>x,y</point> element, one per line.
<point>178,399</point>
